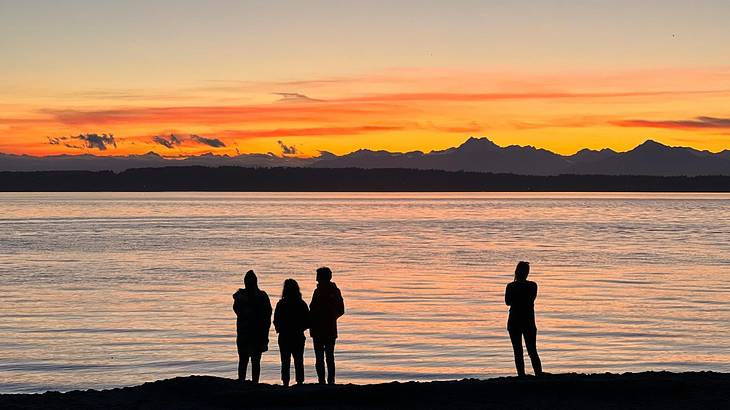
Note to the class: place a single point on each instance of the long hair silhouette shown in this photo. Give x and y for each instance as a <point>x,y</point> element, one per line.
<point>520,296</point>
<point>291,290</point>
<point>522,270</point>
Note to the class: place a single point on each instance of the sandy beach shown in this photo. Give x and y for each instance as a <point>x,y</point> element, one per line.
<point>649,390</point>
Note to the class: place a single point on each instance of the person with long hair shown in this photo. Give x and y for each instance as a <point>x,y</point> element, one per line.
<point>291,319</point>
<point>253,321</point>
<point>520,296</point>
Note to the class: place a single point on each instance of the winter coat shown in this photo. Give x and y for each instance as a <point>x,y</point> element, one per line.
<point>326,306</point>
<point>291,318</point>
<point>253,319</point>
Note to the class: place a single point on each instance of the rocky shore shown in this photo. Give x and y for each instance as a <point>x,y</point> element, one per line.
<point>650,390</point>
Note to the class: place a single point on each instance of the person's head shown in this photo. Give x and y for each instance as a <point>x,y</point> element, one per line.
<point>250,280</point>
<point>324,275</point>
<point>522,270</point>
<point>291,290</point>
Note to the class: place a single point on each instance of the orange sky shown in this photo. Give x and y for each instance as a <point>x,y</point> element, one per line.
<point>322,76</point>
<point>397,110</point>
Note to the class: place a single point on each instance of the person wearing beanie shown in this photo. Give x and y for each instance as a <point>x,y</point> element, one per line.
<point>253,320</point>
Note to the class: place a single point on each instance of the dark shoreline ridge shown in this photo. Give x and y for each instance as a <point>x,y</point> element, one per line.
<point>341,180</point>
<point>650,390</point>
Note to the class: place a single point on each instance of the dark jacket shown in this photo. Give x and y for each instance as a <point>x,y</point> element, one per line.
<point>253,319</point>
<point>326,306</point>
<point>520,296</point>
<point>291,318</point>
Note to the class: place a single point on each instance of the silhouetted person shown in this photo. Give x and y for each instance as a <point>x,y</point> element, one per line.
<point>291,319</point>
<point>520,296</point>
<point>326,306</point>
<point>253,320</point>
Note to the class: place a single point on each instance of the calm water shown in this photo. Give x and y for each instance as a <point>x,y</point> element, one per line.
<point>110,289</point>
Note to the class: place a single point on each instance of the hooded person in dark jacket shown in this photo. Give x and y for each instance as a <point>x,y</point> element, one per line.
<point>291,319</point>
<point>326,307</point>
<point>253,320</point>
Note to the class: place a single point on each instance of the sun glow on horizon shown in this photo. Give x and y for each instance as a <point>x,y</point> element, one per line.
<point>555,75</point>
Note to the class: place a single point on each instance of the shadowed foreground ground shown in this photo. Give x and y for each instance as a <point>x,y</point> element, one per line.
<point>654,390</point>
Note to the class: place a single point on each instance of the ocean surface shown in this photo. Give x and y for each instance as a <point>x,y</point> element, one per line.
<point>110,289</point>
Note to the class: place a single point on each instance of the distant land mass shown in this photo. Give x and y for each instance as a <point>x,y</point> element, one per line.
<point>308,179</point>
<point>475,155</point>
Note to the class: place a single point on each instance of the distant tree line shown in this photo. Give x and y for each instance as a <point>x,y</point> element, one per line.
<point>342,180</point>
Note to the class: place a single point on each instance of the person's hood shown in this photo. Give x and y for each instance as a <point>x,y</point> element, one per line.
<point>242,291</point>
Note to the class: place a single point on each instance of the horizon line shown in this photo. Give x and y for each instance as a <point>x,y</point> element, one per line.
<point>296,157</point>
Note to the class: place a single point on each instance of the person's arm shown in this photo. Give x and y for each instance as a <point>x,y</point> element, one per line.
<point>236,304</point>
<point>339,305</point>
<point>305,316</point>
<point>314,304</point>
<point>267,312</point>
<point>534,294</point>
<point>508,296</point>
<point>277,317</point>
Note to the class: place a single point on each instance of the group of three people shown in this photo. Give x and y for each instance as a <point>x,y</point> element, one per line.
<point>292,318</point>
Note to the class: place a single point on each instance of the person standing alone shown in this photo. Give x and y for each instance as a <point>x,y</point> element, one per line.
<point>520,296</point>
<point>253,321</point>
<point>326,307</point>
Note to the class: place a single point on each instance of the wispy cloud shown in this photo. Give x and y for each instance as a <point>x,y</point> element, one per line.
<point>215,114</point>
<point>211,142</point>
<point>128,94</point>
<point>688,124</point>
<point>98,141</point>
<point>63,141</point>
<point>311,132</point>
<point>287,150</point>
<point>474,97</point>
<point>295,97</point>
<point>169,142</point>
<point>91,141</point>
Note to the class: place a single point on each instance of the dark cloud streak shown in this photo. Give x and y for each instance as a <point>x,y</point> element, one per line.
<point>168,142</point>
<point>91,141</point>
<point>295,97</point>
<point>702,122</point>
<point>212,142</point>
<point>287,150</point>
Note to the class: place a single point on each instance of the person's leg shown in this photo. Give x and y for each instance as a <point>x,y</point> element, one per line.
<point>329,350</point>
<point>255,366</point>
<point>285,355</point>
<point>531,344</point>
<point>298,353</point>
<point>242,361</point>
<point>515,337</point>
<point>319,360</point>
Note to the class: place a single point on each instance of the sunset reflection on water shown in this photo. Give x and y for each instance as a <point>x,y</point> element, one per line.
<point>115,289</point>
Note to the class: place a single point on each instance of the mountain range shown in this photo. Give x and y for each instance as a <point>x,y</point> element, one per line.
<point>475,155</point>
